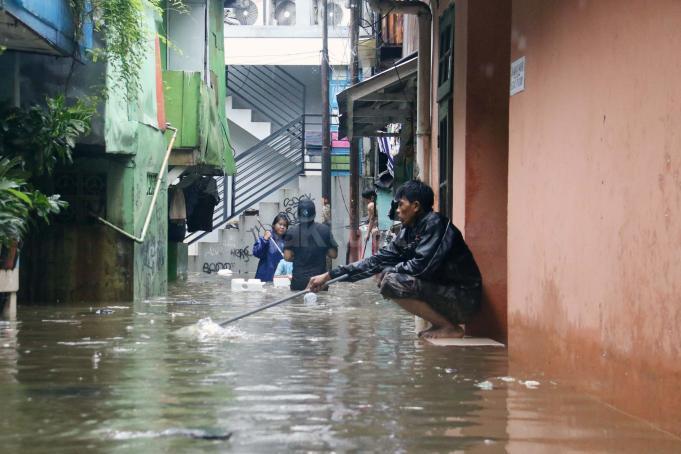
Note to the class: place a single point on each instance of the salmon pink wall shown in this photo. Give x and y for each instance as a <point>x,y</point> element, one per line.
<point>594,210</point>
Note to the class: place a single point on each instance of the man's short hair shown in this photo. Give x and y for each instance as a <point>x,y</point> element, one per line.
<point>415,190</point>
<point>369,194</point>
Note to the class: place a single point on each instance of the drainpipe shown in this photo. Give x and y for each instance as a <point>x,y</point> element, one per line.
<point>157,189</point>
<point>425,18</point>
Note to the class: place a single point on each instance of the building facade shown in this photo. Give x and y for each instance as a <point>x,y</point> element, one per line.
<point>112,243</point>
<point>553,147</point>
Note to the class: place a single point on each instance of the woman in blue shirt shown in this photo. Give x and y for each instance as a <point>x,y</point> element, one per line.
<point>268,248</point>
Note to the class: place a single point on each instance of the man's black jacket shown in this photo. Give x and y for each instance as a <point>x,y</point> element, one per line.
<point>432,249</point>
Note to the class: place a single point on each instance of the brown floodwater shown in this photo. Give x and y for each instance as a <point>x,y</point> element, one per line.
<point>345,374</point>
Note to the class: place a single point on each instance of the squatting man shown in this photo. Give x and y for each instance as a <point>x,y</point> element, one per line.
<point>427,269</point>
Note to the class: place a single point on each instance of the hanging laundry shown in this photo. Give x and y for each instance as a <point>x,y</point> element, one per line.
<point>201,197</point>
<point>178,207</point>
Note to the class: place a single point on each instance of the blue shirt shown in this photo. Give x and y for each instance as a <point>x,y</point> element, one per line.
<point>284,268</point>
<point>269,256</point>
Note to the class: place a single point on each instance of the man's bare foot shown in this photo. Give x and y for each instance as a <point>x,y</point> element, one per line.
<point>445,332</point>
<point>421,333</point>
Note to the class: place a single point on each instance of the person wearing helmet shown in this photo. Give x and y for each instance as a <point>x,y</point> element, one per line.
<point>307,245</point>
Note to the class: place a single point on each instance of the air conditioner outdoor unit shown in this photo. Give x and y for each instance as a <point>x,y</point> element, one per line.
<point>244,12</point>
<point>338,11</point>
<point>285,12</point>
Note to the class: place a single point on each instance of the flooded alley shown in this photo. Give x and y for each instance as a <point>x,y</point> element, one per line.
<point>344,374</point>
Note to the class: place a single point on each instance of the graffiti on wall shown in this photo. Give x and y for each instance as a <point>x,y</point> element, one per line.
<point>243,253</point>
<point>209,268</point>
<point>221,257</point>
<point>291,206</point>
<point>258,231</point>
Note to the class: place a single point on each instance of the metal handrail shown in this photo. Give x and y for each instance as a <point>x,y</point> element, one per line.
<point>276,95</point>
<point>271,81</point>
<point>280,154</point>
<point>250,79</point>
<point>267,72</point>
<point>261,93</point>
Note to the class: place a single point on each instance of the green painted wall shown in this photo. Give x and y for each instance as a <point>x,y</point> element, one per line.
<point>132,130</point>
<point>197,106</point>
<point>80,259</point>
<point>217,68</point>
<point>85,261</point>
<point>181,91</point>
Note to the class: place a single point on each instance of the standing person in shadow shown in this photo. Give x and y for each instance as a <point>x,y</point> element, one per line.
<point>307,245</point>
<point>268,248</point>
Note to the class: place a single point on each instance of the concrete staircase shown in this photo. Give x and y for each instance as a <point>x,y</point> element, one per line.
<point>266,114</point>
<point>243,118</point>
<point>231,245</point>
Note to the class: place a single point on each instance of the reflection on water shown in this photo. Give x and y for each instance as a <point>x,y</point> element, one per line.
<point>344,374</point>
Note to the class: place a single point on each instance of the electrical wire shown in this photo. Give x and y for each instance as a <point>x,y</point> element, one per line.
<point>340,188</point>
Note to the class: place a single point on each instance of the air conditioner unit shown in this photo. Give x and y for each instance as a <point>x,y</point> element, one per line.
<point>244,12</point>
<point>285,12</point>
<point>338,12</point>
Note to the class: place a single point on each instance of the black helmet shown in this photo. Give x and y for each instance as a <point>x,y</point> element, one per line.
<point>306,211</point>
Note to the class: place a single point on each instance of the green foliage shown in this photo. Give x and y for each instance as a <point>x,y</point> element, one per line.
<point>43,137</point>
<point>32,142</point>
<point>14,209</point>
<point>126,37</point>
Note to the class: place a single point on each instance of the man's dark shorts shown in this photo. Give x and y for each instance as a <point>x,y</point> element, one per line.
<point>454,303</point>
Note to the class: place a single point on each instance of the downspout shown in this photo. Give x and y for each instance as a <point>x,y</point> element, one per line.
<point>423,125</point>
<point>157,189</point>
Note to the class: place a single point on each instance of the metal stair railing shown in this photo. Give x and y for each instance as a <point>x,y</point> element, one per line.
<point>269,91</point>
<point>260,170</point>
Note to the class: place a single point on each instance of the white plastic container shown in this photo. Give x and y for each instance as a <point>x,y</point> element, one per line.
<point>254,285</point>
<point>281,282</point>
<point>239,285</point>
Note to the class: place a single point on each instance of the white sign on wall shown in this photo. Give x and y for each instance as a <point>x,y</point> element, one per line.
<point>518,76</point>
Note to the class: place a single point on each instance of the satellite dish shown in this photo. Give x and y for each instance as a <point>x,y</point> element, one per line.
<point>285,13</point>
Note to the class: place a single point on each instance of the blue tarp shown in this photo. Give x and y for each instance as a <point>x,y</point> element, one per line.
<point>51,20</point>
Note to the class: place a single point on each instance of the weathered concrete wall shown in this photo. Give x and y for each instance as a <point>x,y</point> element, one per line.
<point>177,262</point>
<point>232,248</point>
<point>89,262</point>
<point>76,259</point>
<point>133,129</point>
<point>595,199</point>
<point>86,263</point>
<point>340,215</point>
<point>480,111</point>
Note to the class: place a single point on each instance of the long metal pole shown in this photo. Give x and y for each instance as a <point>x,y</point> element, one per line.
<point>355,238</point>
<point>157,188</point>
<point>276,303</point>
<point>326,135</point>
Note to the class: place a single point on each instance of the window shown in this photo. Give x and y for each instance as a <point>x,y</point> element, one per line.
<point>445,115</point>
<point>445,158</point>
<point>445,66</point>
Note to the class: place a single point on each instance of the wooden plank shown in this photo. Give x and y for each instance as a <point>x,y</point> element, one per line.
<point>466,342</point>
